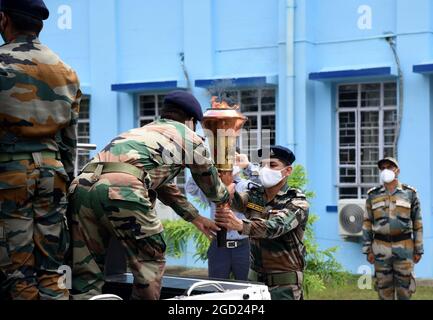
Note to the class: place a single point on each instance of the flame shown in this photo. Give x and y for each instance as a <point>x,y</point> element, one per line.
<point>223,104</point>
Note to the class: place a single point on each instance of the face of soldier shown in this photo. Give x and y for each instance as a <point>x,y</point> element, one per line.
<point>273,171</point>
<point>388,173</point>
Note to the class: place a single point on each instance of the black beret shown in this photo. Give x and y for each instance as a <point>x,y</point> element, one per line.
<point>282,153</point>
<point>33,8</point>
<point>186,102</point>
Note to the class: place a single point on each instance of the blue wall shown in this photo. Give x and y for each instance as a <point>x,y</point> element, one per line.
<point>140,41</point>
<point>337,44</point>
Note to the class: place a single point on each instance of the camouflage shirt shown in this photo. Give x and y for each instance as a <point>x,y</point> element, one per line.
<point>39,101</point>
<point>393,214</point>
<point>163,148</point>
<point>276,228</point>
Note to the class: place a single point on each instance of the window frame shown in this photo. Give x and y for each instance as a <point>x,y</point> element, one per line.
<point>138,116</point>
<point>259,113</point>
<point>358,110</point>
<point>82,152</point>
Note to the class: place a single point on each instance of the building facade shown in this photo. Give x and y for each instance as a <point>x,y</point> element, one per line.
<point>322,75</point>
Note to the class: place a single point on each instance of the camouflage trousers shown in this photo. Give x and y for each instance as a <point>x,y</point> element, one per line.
<point>394,270</point>
<point>33,229</point>
<point>281,289</point>
<point>116,205</point>
<point>287,292</point>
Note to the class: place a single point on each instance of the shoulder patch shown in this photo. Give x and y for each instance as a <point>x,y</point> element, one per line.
<point>254,186</point>
<point>406,186</point>
<point>373,189</point>
<point>296,193</point>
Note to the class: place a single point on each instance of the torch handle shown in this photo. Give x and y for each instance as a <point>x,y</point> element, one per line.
<point>222,234</point>
<point>222,238</point>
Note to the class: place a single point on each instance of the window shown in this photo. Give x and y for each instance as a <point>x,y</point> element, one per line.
<point>149,109</point>
<point>367,121</point>
<point>83,134</point>
<point>259,106</point>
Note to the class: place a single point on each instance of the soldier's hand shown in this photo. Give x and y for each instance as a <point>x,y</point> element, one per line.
<point>227,219</point>
<point>370,258</point>
<point>205,225</point>
<point>416,258</point>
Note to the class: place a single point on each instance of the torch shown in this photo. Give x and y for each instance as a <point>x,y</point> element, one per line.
<point>223,124</point>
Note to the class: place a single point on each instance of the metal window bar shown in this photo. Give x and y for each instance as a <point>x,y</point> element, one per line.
<point>259,114</point>
<point>381,109</point>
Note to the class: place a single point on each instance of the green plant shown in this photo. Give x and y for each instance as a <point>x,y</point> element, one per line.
<point>322,267</point>
<point>177,233</point>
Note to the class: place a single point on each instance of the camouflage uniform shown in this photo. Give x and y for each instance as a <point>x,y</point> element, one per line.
<point>39,102</point>
<point>121,205</point>
<point>276,230</point>
<point>392,231</point>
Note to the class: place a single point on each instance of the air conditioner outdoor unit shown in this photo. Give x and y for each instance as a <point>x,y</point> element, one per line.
<point>351,217</point>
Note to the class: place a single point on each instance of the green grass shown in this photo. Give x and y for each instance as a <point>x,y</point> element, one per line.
<point>350,291</point>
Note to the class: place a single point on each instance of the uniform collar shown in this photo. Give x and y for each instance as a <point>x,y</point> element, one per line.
<point>281,193</point>
<point>283,190</point>
<point>398,188</point>
<point>25,38</point>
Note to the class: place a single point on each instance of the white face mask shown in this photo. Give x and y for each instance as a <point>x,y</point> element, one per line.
<point>270,178</point>
<point>236,170</point>
<point>387,176</point>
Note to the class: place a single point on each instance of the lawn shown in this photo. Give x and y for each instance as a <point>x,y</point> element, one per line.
<point>349,291</point>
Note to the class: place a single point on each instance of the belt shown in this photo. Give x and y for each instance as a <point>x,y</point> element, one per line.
<point>115,167</point>
<point>6,157</point>
<point>276,279</point>
<point>389,238</point>
<point>233,244</point>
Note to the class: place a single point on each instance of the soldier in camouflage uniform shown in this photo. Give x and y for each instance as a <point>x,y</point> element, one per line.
<point>39,102</point>
<point>392,233</point>
<point>276,220</point>
<point>115,196</point>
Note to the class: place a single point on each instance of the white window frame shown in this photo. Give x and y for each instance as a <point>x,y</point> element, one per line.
<point>358,110</point>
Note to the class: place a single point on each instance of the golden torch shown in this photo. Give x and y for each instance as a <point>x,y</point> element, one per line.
<point>223,124</point>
